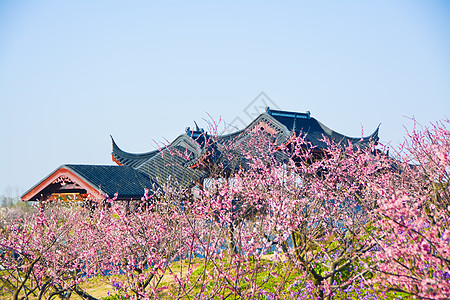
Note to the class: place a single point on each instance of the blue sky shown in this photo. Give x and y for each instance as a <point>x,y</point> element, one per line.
<point>74,72</point>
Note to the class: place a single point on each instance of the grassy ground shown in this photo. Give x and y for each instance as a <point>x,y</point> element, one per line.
<point>101,288</point>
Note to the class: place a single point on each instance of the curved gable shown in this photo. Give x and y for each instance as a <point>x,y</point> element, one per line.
<point>62,181</point>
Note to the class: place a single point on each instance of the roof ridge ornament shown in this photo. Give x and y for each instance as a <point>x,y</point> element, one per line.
<point>294,127</point>
<point>194,133</point>
<point>288,114</point>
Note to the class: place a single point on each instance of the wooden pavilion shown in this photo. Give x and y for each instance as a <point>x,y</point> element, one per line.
<point>181,162</point>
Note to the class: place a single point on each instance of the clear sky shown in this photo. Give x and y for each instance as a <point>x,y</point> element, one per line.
<point>74,72</point>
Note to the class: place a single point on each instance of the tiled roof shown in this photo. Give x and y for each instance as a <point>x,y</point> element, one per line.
<point>126,181</point>
<point>130,159</point>
<point>168,165</point>
<point>315,131</point>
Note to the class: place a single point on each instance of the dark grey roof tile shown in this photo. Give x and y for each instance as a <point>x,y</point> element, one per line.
<point>125,181</point>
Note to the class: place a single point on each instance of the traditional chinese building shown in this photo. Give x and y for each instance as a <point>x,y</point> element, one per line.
<point>181,163</point>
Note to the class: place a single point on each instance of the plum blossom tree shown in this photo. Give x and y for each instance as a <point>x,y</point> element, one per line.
<point>413,217</point>
<point>289,201</point>
<point>41,255</point>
